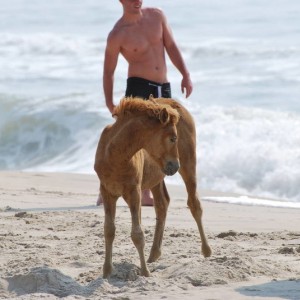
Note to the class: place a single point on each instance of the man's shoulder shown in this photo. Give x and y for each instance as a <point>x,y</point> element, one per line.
<point>120,28</point>
<point>116,31</point>
<point>153,11</point>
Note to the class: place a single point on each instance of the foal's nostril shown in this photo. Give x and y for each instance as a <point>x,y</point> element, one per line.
<point>171,167</point>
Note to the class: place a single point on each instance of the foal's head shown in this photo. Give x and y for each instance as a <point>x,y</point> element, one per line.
<point>160,138</point>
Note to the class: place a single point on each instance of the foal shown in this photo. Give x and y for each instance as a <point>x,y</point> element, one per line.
<point>149,140</point>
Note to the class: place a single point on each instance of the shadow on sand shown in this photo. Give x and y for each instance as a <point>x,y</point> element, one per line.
<point>285,289</point>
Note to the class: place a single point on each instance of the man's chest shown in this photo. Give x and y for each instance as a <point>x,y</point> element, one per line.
<point>140,38</point>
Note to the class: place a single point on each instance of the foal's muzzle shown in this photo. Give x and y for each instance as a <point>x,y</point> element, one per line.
<point>171,167</point>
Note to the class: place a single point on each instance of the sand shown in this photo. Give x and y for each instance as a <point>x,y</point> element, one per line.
<point>52,246</point>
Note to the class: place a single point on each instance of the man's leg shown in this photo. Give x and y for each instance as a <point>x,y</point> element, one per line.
<point>147,200</point>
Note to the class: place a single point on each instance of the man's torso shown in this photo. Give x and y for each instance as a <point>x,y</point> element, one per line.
<point>142,46</point>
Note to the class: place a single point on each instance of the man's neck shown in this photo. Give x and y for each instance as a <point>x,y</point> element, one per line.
<point>132,18</point>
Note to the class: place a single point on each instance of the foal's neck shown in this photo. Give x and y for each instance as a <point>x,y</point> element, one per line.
<point>129,138</point>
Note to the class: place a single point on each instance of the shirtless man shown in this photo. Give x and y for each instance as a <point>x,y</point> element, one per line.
<point>141,36</point>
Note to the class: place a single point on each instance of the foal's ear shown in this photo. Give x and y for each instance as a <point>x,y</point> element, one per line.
<point>164,116</point>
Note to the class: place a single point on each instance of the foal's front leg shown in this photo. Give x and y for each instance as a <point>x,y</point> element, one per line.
<point>109,203</point>
<point>133,199</point>
<point>161,203</point>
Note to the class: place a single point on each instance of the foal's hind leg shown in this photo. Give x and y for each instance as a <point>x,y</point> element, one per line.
<point>187,171</point>
<point>133,199</point>
<point>161,203</point>
<point>109,230</point>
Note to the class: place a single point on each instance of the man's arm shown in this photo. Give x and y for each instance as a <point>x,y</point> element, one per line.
<point>176,57</point>
<point>110,63</point>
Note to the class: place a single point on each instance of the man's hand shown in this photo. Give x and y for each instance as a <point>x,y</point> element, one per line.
<point>112,110</point>
<point>187,86</point>
<point>110,107</point>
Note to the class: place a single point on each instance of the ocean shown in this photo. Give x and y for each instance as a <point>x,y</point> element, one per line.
<point>244,60</point>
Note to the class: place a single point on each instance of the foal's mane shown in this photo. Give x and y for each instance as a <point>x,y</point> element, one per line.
<point>137,106</point>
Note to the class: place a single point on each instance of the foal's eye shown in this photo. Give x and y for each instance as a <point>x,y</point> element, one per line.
<point>173,139</point>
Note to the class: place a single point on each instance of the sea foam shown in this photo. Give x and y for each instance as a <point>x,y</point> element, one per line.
<point>245,150</point>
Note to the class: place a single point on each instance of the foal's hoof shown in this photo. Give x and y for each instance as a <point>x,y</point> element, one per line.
<point>107,270</point>
<point>206,250</point>
<point>154,256</point>
<point>145,273</point>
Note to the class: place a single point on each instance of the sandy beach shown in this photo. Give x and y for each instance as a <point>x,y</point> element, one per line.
<point>52,246</point>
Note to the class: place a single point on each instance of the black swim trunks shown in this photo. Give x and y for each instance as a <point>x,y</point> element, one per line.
<point>140,87</point>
